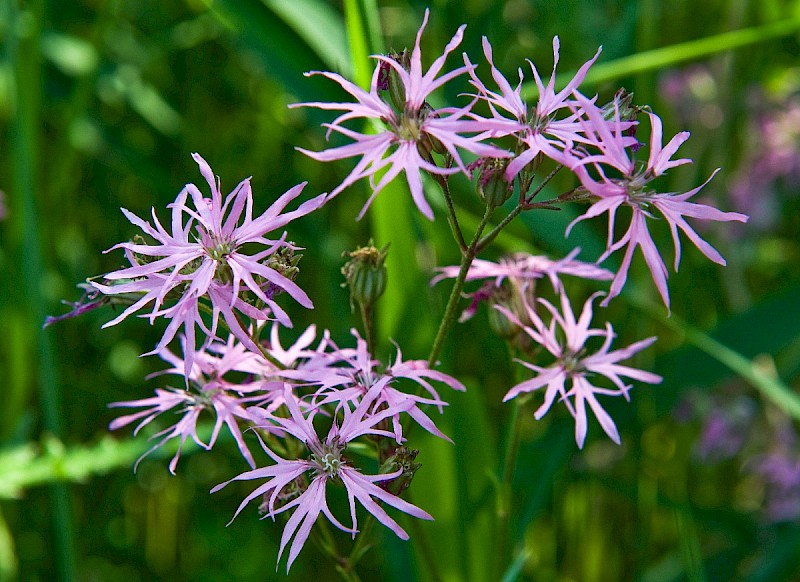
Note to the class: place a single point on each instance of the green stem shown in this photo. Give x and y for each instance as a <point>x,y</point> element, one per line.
<point>323,538</point>
<point>428,557</point>
<point>451,212</point>
<point>504,490</point>
<point>369,332</point>
<point>526,203</point>
<point>360,547</point>
<point>485,241</point>
<point>24,55</point>
<point>452,303</point>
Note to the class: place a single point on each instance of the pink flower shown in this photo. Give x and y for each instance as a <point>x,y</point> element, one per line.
<point>416,128</point>
<point>203,257</point>
<point>345,375</point>
<point>632,190</point>
<point>538,128</point>
<point>522,270</point>
<point>326,463</point>
<point>524,266</point>
<point>568,376</point>
<point>207,390</point>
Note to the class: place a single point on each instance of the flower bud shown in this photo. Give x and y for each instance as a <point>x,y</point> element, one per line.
<point>285,261</point>
<point>621,107</point>
<point>435,144</point>
<point>388,79</point>
<point>514,294</point>
<point>405,459</point>
<point>365,274</point>
<point>498,322</point>
<point>621,102</point>
<point>492,186</point>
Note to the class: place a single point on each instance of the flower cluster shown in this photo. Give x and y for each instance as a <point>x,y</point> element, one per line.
<point>346,385</point>
<point>632,189</point>
<point>413,129</point>
<point>325,415</point>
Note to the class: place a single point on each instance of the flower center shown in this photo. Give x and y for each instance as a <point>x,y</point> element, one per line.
<point>408,129</point>
<point>539,123</point>
<point>329,459</point>
<point>219,251</point>
<point>572,362</point>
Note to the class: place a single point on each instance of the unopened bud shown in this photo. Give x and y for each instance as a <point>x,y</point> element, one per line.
<point>622,103</point>
<point>436,145</point>
<point>492,186</point>
<point>498,322</point>
<point>622,108</point>
<point>514,294</point>
<point>285,261</point>
<point>365,274</point>
<point>405,459</point>
<point>392,82</point>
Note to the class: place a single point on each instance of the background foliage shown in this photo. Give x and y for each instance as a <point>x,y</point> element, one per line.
<point>101,104</point>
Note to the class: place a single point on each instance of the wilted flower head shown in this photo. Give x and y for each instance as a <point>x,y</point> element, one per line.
<point>204,257</point>
<point>570,375</point>
<point>412,131</point>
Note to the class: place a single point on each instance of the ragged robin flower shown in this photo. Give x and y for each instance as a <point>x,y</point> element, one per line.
<point>576,366</point>
<point>204,256</point>
<point>411,131</point>
<point>325,465</point>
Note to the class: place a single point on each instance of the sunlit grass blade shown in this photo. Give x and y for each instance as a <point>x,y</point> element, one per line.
<point>320,26</point>
<point>759,376</point>
<point>358,43</point>
<point>286,52</point>
<point>390,216</point>
<point>667,56</point>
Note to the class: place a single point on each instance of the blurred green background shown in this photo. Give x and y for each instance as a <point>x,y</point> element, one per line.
<point>101,104</point>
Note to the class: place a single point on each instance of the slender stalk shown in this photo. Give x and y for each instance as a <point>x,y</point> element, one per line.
<point>323,538</point>
<point>526,203</point>
<point>485,241</point>
<point>504,490</point>
<point>361,546</point>
<point>540,187</point>
<point>452,303</point>
<point>369,328</point>
<point>452,219</point>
